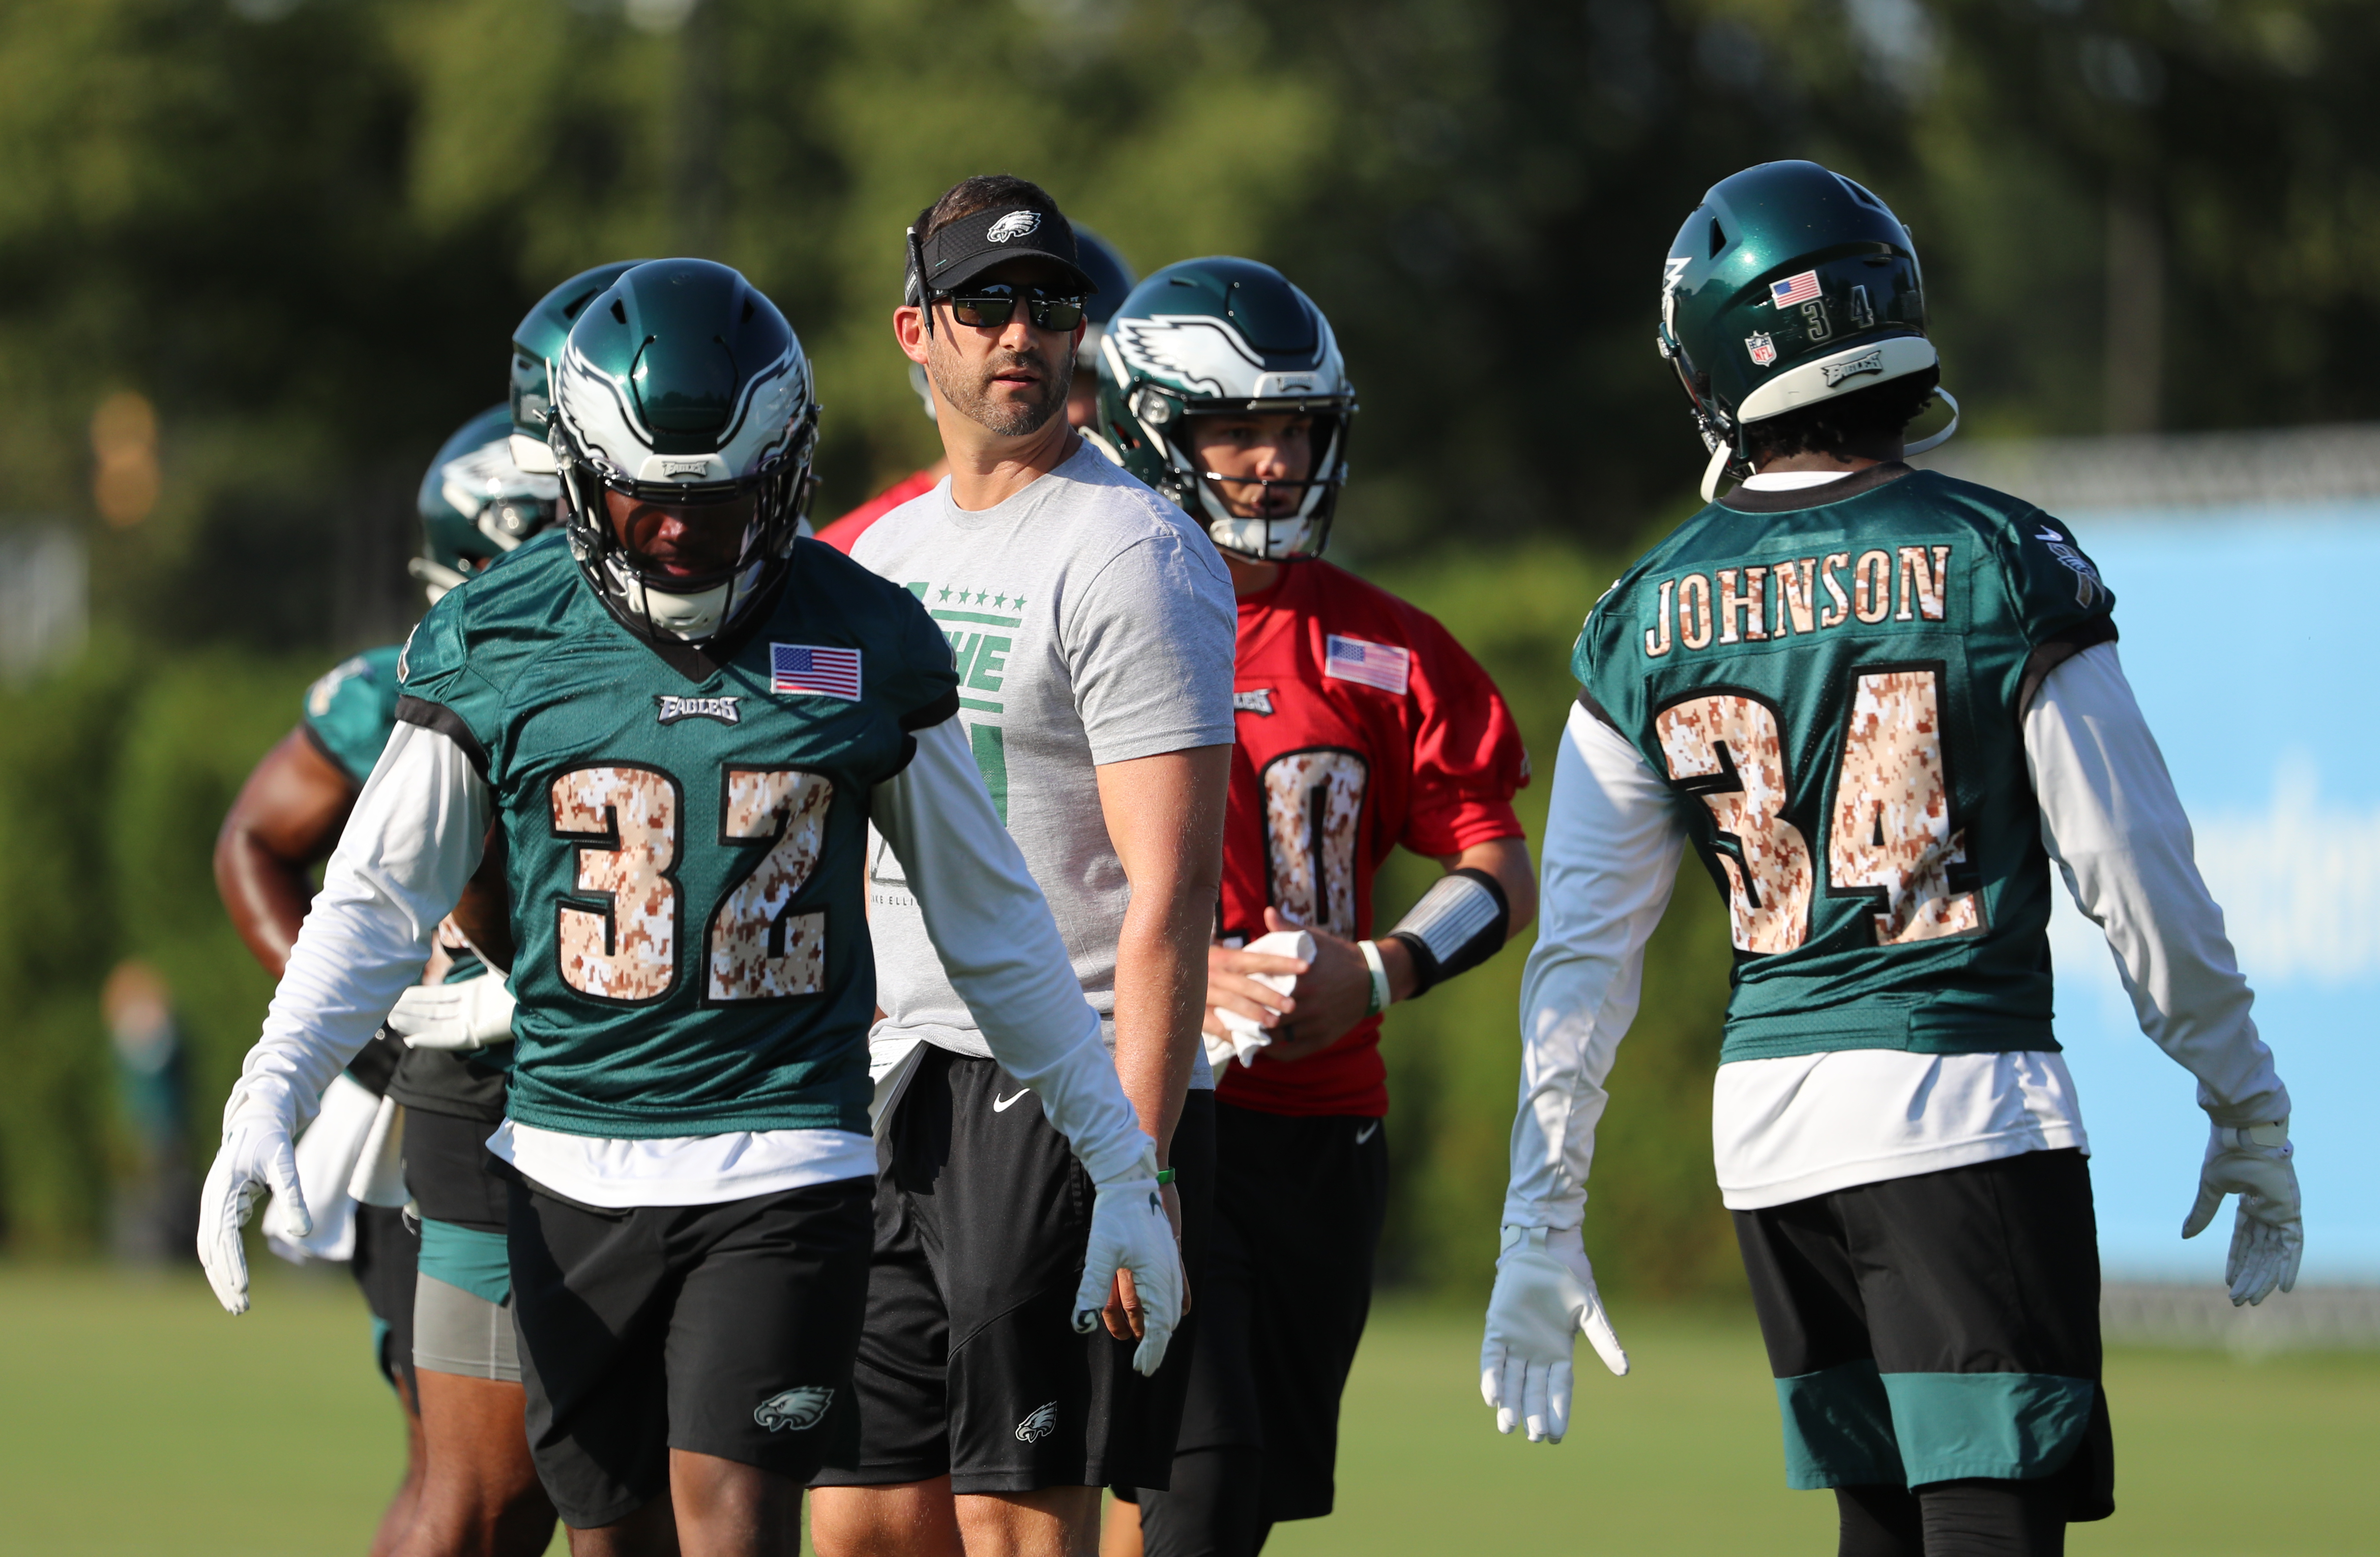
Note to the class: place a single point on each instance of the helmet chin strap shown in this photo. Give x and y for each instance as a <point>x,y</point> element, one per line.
<point>1938,439</point>
<point>1715,471</point>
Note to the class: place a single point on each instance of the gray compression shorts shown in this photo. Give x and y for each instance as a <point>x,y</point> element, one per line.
<point>459,1331</point>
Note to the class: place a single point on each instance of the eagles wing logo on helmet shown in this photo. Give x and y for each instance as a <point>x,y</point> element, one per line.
<point>1016,223</point>
<point>1202,354</point>
<point>489,474</point>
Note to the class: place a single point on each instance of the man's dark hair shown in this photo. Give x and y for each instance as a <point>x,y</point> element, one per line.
<point>981,193</point>
<point>1862,418</point>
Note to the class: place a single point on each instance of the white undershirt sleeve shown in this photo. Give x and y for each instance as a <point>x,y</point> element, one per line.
<point>1001,950</point>
<point>410,845</point>
<point>2111,819</point>
<point>1612,845</point>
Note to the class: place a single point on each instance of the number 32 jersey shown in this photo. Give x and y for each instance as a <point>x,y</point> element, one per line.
<point>1833,681</point>
<point>1362,724</point>
<point>684,836</point>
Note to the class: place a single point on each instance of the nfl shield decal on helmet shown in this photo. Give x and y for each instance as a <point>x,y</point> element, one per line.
<point>797,1409</point>
<point>1039,1425</point>
<point>1763,350</point>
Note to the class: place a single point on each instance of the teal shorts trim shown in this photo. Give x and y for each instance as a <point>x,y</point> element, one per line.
<point>481,1263</point>
<point>1850,1426</point>
<point>1940,1327</point>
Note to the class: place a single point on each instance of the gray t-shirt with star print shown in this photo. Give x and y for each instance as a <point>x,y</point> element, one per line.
<point>1091,623</point>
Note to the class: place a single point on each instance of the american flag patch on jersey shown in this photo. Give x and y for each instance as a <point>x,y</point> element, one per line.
<point>807,667</point>
<point>1801,289</point>
<point>1374,664</point>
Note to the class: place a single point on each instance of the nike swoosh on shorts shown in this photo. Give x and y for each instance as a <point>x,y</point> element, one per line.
<point>999,1105</point>
<point>1367,1132</point>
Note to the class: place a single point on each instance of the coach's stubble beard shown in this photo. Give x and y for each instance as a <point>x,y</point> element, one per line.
<point>968,390</point>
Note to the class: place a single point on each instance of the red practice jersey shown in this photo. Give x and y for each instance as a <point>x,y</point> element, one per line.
<point>1362,726</point>
<point>845,533</point>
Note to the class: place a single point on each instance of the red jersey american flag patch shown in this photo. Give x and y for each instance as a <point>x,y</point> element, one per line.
<point>1383,665</point>
<point>807,667</point>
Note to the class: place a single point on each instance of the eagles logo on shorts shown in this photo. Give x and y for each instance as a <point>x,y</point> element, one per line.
<point>795,1410</point>
<point>1039,1425</point>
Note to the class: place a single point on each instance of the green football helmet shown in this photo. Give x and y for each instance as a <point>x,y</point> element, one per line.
<point>537,341</point>
<point>476,503</point>
<point>1787,285</point>
<point>1223,334</point>
<point>683,387</point>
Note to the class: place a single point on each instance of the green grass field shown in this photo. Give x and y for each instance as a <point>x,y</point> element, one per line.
<point>138,1418</point>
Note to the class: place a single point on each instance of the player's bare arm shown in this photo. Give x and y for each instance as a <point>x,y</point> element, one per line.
<point>1165,816</point>
<point>284,823</point>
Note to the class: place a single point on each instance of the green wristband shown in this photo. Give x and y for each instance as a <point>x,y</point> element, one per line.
<point>1164,1176</point>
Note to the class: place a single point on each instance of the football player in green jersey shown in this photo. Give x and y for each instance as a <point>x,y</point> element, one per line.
<point>681,725</point>
<point>475,506</point>
<point>1879,704</point>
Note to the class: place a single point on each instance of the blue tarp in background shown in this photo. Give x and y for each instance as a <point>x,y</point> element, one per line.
<point>2250,640</point>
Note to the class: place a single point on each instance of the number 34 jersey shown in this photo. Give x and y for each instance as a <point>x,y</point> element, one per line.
<point>1832,681</point>
<point>685,837</point>
<point>1362,726</point>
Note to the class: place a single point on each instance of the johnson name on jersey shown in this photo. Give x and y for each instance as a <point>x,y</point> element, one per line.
<point>1832,680</point>
<point>685,837</point>
<point>1363,725</point>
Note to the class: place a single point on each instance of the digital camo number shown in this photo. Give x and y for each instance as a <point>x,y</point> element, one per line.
<point>1725,749</point>
<point>628,951</point>
<point>1889,832</point>
<point>1891,829</point>
<point>1314,806</point>
<point>757,950</point>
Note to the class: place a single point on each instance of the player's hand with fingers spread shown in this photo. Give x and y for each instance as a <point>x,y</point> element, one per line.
<point>1545,1296</point>
<point>1130,1231</point>
<point>2268,1230</point>
<point>460,1018</point>
<point>257,1156</point>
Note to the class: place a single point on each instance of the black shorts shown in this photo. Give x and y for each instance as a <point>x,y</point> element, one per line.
<point>383,1263</point>
<point>1299,1204</point>
<point>970,1365</point>
<point>1937,1327</point>
<point>451,1173</point>
<point>724,1329</point>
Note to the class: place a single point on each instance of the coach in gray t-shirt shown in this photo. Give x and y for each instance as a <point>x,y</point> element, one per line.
<point>1091,624</point>
<point>1093,629</point>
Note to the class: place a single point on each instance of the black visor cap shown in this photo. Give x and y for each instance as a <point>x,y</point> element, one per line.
<point>974,244</point>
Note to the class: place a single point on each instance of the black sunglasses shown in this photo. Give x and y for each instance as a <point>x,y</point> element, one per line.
<point>990,307</point>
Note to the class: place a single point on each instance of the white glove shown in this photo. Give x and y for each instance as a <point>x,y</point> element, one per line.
<point>1131,1232</point>
<point>326,1160</point>
<point>2268,1230</point>
<point>257,1155</point>
<point>1247,1037</point>
<point>1545,1295</point>
<point>459,1018</point>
